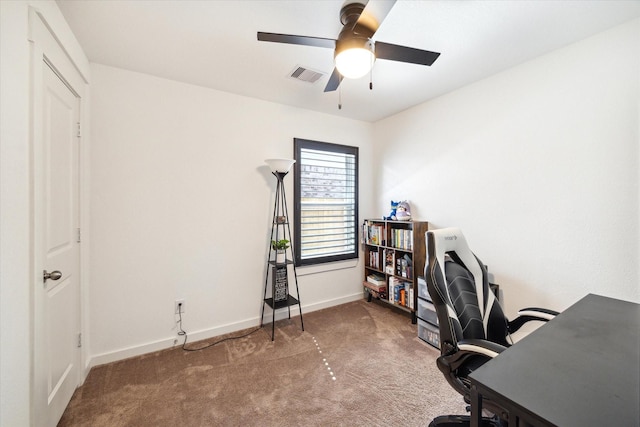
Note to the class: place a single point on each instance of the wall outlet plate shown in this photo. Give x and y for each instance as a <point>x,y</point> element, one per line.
<point>179,306</point>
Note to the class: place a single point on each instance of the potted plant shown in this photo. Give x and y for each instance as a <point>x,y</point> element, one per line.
<point>280,246</point>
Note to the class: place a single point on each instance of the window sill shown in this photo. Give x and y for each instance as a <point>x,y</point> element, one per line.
<point>306,270</point>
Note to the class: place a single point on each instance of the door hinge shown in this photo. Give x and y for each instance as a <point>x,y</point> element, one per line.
<point>80,340</point>
<point>78,129</point>
<point>78,237</point>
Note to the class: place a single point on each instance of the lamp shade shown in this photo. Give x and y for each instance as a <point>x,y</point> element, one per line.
<point>280,165</point>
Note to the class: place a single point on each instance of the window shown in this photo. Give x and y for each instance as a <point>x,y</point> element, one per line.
<point>326,202</point>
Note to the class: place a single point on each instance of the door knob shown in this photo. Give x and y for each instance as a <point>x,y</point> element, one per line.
<point>54,275</point>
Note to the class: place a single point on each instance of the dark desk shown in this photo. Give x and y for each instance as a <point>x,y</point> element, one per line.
<point>580,369</point>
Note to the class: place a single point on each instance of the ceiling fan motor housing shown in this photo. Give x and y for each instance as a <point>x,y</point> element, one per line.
<point>350,13</point>
<point>351,37</point>
<point>353,41</point>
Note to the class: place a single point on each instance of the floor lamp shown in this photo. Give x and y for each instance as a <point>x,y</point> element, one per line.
<point>280,230</point>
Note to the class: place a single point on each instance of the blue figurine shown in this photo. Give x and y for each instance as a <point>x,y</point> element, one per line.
<point>392,214</point>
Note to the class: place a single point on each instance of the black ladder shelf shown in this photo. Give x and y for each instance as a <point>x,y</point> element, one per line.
<point>279,269</point>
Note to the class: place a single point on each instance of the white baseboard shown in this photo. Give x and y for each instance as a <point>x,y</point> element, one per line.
<point>332,303</point>
<point>150,347</point>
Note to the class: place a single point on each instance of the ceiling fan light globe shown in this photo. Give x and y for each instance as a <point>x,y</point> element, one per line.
<point>355,62</point>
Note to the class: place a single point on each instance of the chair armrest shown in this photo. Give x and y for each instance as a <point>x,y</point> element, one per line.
<point>532,313</point>
<point>483,347</point>
<point>453,358</point>
<point>542,313</point>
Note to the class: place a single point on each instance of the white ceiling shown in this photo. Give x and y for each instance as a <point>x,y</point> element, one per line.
<point>213,44</point>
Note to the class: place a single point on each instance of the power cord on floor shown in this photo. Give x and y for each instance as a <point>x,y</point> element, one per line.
<point>182,332</point>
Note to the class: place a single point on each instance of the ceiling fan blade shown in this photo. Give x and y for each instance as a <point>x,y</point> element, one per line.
<point>372,16</point>
<point>405,54</point>
<point>291,39</point>
<point>334,81</point>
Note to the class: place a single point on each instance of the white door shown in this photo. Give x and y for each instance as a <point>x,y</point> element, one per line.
<point>56,358</point>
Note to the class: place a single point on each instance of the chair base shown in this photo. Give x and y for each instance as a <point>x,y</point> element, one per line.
<point>463,421</point>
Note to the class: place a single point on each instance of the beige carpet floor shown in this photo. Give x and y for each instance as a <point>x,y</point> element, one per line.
<point>357,364</point>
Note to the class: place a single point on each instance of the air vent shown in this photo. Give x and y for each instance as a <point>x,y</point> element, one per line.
<point>305,74</point>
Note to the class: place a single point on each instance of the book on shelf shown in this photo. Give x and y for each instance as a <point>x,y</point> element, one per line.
<point>389,261</point>
<point>374,259</point>
<point>401,292</point>
<point>376,294</point>
<point>404,267</point>
<point>394,290</point>
<point>280,285</point>
<point>391,293</point>
<point>402,239</point>
<point>373,233</point>
<point>380,288</point>
<point>408,295</point>
<point>376,279</point>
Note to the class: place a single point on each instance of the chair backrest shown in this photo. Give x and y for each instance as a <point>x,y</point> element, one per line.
<point>459,287</point>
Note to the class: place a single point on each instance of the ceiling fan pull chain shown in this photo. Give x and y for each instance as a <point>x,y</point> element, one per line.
<point>340,97</point>
<point>371,74</point>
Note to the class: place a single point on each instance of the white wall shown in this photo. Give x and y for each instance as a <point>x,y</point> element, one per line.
<point>16,278</point>
<point>539,167</point>
<point>15,307</point>
<point>181,208</point>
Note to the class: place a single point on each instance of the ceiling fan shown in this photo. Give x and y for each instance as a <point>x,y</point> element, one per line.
<point>354,51</point>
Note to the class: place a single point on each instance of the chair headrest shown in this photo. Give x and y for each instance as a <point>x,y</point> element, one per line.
<point>452,240</point>
<point>449,240</point>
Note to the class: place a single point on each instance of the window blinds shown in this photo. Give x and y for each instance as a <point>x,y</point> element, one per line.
<point>327,203</point>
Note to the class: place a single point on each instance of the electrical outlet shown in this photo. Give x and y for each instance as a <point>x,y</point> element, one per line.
<point>179,307</point>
